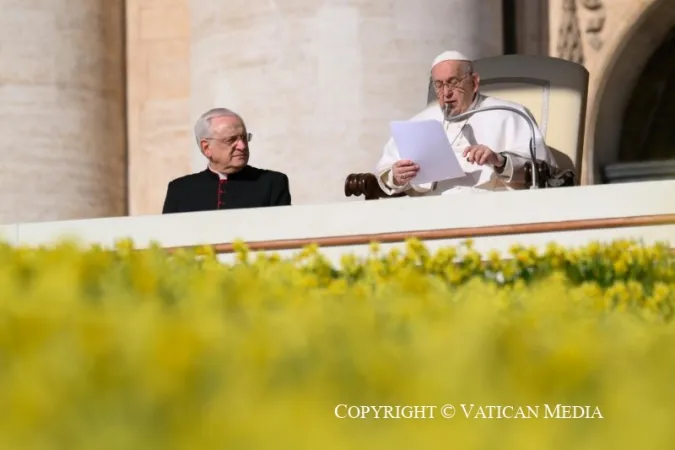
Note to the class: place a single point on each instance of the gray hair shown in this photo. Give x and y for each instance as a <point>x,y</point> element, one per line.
<point>467,67</point>
<point>203,124</point>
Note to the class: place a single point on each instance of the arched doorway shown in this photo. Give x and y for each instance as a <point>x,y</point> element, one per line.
<point>648,133</point>
<point>634,134</point>
<point>647,145</point>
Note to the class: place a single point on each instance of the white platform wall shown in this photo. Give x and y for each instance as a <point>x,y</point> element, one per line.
<point>384,216</point>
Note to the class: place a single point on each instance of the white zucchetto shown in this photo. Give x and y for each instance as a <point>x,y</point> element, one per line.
<point>450,55</point>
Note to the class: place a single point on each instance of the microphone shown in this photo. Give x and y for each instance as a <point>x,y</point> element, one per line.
<point>528,119</point>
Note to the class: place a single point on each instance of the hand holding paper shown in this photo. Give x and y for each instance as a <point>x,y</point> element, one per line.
<point>426,143</point>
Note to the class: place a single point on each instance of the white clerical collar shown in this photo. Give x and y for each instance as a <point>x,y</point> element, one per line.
<point>222,176</point>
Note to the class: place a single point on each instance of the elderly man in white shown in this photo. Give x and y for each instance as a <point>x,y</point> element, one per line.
<point>492,146</point>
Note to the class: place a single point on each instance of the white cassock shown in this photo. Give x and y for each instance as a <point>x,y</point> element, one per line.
<point>502,131</point>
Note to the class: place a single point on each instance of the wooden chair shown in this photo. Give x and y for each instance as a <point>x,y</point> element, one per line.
<point>554,90</point>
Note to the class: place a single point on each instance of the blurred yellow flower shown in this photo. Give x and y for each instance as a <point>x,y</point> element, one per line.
<point>138,349</point>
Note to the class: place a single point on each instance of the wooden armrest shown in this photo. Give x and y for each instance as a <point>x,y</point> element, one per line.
<point>365,184</point>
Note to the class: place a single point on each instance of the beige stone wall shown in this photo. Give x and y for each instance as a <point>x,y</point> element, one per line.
<point>617,39</point>
<point>331,103</point>
<point>319,82</point>
<point>62,134</point>
<point>344,121</point>
<point>341,132</point>
<point>329,107</point>
<point>158,64</point>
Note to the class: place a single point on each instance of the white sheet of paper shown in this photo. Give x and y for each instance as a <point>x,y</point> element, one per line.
<point>426,143</point>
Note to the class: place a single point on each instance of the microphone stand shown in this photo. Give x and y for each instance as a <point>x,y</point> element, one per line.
<point>530,122</point>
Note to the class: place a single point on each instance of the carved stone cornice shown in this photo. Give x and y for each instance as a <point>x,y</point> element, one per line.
<point>595,23</point>
<point>570,41</point>
<point>569,35</point>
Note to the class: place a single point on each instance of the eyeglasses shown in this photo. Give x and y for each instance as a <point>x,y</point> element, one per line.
<point>452,83</point>
<point>230,141</point>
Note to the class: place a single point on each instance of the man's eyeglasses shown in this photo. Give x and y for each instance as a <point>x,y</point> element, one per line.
<point>452,83</point>
<point>230,141</point>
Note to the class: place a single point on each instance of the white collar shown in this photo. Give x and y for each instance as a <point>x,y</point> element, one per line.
<point>222,176</point>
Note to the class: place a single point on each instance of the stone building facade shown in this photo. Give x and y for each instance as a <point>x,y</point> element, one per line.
<point>628,46</point>
<point>98,97</point>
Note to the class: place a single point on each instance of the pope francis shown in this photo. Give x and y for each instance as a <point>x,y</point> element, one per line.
<point>492,146</point>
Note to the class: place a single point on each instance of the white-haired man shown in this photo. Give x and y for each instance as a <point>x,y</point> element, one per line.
<point>228,182</point>
<point>492,146</point>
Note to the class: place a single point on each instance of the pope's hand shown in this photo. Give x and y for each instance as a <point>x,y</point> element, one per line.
<point>480,154</point>
<point>403,171</point>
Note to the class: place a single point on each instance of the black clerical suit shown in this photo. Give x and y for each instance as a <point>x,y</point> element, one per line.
<point>205,191</point>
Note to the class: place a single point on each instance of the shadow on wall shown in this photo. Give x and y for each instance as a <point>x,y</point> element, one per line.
<point>563,160</point>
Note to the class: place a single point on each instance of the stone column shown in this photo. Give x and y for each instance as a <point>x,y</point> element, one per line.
<point>62,118</point>
<point>318,82</point>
